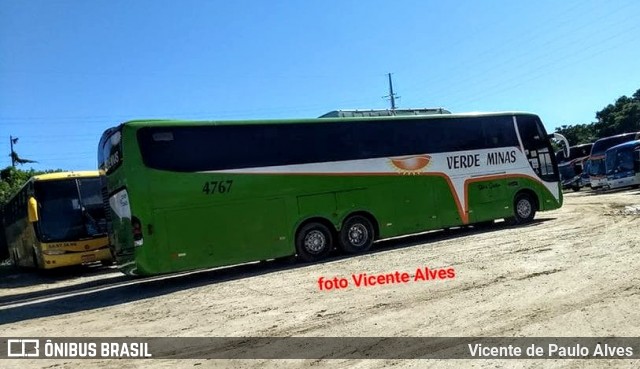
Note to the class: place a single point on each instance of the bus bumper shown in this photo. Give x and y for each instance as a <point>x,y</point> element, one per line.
<point>598,182</point>
<point>75,258</point>
<point>614,183</point>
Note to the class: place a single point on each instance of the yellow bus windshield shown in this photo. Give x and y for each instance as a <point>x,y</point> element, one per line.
<point>70,209</point>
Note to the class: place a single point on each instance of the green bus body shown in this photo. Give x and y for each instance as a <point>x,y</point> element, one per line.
<point>188,195</point>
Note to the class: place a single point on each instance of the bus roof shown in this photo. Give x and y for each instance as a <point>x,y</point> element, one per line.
<point>348,113</point>
<point>63,175</point>
<point>600,146</point>
<point>169,122</point>
<point>625,145</point>
<point>575,152</point>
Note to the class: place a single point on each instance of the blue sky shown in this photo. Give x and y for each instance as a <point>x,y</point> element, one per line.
<point>70,69</point>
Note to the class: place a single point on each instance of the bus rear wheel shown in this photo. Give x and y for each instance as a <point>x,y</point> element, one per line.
<point>356,235</point>
<point>314,242</point>
<point>524,209</point>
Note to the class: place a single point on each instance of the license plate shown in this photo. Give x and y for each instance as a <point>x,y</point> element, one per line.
<point>88,258</point>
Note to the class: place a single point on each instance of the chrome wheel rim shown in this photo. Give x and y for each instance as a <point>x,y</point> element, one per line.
<point>315,241</point>
<point>524,208</point>
<point>358,235</point>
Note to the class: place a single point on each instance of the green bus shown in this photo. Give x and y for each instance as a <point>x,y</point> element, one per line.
<point>185,195</point>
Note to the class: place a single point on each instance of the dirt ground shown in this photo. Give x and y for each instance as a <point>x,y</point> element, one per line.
<point>573,272</point>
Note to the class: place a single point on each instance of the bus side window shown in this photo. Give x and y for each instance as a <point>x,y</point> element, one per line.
<point>499,132</point>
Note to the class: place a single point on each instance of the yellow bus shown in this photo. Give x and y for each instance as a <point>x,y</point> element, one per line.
<point>57,220</point>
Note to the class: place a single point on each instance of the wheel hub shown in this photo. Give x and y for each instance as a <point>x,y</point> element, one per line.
<point>358,234</point>
<point>315,241</point>
<point>524,208</point>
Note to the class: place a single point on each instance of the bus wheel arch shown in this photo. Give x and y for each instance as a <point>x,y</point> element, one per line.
<point>34,259</point>
<point>358,231</point>
<point>314,239</point>
<point>525,205</point>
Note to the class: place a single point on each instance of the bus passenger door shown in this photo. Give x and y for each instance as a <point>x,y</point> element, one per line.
<point>486,200</point>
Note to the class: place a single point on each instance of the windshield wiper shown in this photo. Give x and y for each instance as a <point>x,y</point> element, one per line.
<point>85,214</point>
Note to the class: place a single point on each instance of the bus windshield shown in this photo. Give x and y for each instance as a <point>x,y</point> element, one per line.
<point>70,209</point>
<point>620,161</point>
<point>597,166</point>
<point>110,150</point>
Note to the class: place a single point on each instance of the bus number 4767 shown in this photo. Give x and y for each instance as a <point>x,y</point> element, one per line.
<point>212,187</point>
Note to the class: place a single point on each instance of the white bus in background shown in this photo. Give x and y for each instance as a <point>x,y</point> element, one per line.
<point>622,164</point>
<point>597,171</point>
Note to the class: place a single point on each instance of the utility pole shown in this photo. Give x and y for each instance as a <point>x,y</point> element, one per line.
<point>13,155</point>
<point>15,159</point>
<point>392,96</point>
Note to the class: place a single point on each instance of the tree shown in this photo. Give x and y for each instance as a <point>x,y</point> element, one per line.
<point>621,117</point>
<point>11,179</point>
<point>577,134</point>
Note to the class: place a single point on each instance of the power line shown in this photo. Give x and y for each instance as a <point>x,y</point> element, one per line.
<point>559,54</point>
<point>526,54</point>
<point>521,81</point>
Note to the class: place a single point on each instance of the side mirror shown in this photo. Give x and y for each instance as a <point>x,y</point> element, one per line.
<point>558,137</point>
<point>32,209</point>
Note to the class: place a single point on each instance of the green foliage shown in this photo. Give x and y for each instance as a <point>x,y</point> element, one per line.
<point>578,134</point>
<point>11,179</point>
<point>621,117</point>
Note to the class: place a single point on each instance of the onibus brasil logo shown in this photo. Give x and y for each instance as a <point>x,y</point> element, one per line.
<point>31,348</point>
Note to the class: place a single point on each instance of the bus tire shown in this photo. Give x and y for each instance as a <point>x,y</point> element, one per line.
<point>575,188</point>
<point>356,235</point>
<point>524,209</point>
<point>314,242</point>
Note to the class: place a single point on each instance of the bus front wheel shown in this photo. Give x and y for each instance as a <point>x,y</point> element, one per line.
<point>524,209</point>
<point>356,235</point>
<point>314,242</point>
